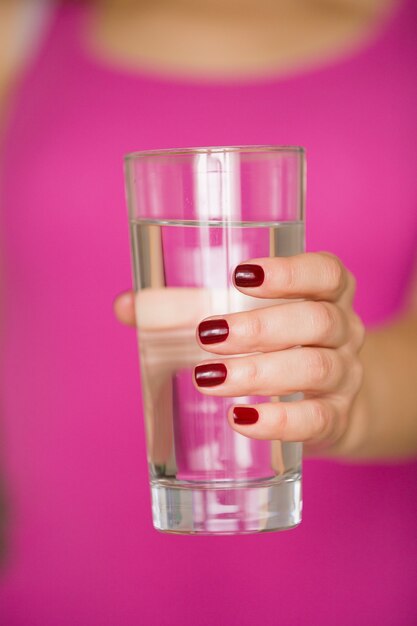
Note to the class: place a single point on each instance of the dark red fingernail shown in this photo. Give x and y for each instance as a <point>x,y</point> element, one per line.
<point>249,275</point>
<point>245,415</point>
<point>213,331</point>
<point>210,374</point>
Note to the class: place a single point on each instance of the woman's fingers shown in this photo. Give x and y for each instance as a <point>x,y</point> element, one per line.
<point>307,323</point>
<point>305,421</point>
<point>317,275</point>
<point>312,370</point>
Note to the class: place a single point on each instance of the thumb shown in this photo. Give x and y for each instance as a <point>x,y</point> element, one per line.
<point>124,308</point>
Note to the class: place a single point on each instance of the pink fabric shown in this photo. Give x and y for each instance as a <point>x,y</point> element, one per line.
<point>82,548</point>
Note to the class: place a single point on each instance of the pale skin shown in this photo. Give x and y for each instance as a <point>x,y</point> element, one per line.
<point>360,389</point>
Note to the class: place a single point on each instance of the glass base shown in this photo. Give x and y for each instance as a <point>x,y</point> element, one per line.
<point>227,509</point>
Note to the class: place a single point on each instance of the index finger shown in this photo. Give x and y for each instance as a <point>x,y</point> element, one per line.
<point>313,275</point>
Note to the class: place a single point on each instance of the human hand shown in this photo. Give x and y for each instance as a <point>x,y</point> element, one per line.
<point>310,345</point>
<point>161,315</point>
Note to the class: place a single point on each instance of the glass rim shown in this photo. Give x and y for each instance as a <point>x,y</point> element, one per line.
<point>171,152</point>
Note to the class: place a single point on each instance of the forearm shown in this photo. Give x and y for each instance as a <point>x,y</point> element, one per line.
<point>385,414</point>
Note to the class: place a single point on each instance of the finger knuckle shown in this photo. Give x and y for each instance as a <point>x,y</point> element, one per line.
<point>358,330</point>
<point>336,272</point>
<point>325,320</point>
<point>282,418</point>
<point>289,275</point>
<point>253,329</point>
<point>253,372</point>
<point>320,417</point>
<point>319,367</point>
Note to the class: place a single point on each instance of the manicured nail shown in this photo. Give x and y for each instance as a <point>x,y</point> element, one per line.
<point>245,415</point>
<point>249,275</point>
<point>213,331</point>
<point>210,374</point>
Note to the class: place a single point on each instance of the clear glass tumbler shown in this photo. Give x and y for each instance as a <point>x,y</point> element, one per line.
<point>195,214</point>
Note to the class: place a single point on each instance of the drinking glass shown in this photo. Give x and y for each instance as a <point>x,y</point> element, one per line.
<point>195,214</point>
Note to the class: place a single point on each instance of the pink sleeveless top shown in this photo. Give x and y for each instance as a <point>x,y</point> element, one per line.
<point>82,550</point>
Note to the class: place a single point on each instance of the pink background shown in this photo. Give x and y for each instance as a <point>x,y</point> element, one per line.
<point>82,549</point>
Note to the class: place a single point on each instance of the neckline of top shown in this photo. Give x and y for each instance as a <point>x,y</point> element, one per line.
<point>376,36</point>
